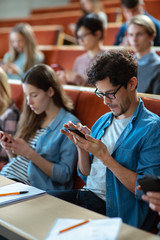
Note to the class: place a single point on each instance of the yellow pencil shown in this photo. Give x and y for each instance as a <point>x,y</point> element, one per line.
<point>13,193</point>
<point>74,226</point>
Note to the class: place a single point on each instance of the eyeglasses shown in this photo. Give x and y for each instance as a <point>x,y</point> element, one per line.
<point>83,36</point>
<point>108,95</point>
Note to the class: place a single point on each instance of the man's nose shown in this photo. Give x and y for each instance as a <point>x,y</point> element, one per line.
<point>106,100</point>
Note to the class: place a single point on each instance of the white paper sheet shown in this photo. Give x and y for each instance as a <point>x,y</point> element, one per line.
<point>17,187</point>
<point>101,229</point>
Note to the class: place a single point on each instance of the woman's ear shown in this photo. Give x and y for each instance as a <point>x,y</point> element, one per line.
<point>50,92</point>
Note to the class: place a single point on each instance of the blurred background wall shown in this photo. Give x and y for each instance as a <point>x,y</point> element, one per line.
<point>21,8</point>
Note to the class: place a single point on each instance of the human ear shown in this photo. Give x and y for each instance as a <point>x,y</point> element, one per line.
<point>98,34</point>
<point>133,83</point>
<point>50,92</point>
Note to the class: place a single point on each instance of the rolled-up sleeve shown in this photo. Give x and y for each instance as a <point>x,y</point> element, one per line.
<point>63,169</point>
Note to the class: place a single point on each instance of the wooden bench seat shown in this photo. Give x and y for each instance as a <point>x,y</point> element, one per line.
<point>71,7</point>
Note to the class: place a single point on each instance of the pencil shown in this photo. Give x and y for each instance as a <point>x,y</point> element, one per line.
<point>13,193</point>
<point>74,226</point>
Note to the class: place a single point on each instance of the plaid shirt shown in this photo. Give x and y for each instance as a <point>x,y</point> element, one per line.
<point>8,123</point>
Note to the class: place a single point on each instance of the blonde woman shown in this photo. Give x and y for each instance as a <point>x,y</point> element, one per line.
<point>9,113</point>
<point>23,52</point>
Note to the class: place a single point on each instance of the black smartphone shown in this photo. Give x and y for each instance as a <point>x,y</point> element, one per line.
<point>150,183</point>
<point>77,132</point>
<point>5,138</point>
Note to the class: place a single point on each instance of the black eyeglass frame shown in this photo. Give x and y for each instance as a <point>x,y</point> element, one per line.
<point>102,95</point>
<point>83,36</point>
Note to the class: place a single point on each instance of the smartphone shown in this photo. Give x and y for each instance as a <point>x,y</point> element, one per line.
<point>57,67</point>
<point>5,138</point>
<point>77,132</point>
<point>150,183</point>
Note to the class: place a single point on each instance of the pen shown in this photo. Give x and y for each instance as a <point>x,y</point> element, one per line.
<point>13,193</point>
<point>74,226</point>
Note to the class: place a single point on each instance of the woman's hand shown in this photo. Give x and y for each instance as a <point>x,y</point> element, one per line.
<point>11,68</point>
<point>15,146</point>
<point>5,138</point>
<point>61,76</point>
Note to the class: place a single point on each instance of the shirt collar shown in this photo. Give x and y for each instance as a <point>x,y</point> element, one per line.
<point>57,120</point>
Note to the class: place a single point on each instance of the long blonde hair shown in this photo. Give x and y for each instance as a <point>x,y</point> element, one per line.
<point>42,77</point>
<point>5,92</point>
<point>30,44</point>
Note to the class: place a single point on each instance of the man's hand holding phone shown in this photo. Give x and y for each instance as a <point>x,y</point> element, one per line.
<point>73,130</point>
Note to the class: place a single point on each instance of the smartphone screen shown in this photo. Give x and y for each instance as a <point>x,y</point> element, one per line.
<point>77,132</point>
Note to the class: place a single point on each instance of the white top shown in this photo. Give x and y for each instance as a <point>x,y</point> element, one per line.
<point>96,181</point>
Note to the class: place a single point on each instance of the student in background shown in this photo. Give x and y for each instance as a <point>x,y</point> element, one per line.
<point>23,53</point>
<point>41,155</point>
<point>9,113</point>
<point>91,6</point>
<point>94,6</point>
<point>141,33</point>
<point>130,9</point>
<point>89,34</point>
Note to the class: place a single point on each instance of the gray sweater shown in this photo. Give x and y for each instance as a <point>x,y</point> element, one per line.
<point>149,74</point>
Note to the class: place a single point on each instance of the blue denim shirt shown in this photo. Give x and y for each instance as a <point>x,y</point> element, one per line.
<point>58,149</point>
<point>138,149</point>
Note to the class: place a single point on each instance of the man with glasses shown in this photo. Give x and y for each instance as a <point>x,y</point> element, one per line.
<point>123,145</point>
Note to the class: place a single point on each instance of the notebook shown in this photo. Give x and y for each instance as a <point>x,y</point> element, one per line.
<point>101,229</point>
<point>17,187</point>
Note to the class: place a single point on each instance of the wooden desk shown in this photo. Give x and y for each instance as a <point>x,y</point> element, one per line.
<point>32,219</point>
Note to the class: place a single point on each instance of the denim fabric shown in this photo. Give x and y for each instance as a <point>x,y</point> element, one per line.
<point>138,149</point>
<point>58,149</point>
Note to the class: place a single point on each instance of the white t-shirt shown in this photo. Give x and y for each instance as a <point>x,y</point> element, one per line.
<point>96,181</point>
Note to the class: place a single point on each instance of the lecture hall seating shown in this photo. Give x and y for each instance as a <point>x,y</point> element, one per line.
<point>64,19</point>
<point>153,8</point>
<point>65,55</point>
<point>71,7</point>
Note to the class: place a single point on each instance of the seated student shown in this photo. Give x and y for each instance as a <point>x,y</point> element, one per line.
<point>23,52</point>
<point>131,9</point>
<point>123,145</point>
<point>141,33</point>
<point>94,6</point>
<point>9,113</point>
<point>41,155</point>
<point>89,33</point>
<point>91,6</point>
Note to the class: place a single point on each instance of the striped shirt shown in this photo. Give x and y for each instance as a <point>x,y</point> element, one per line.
<point>17,167</point>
